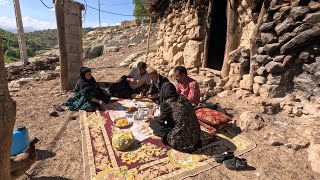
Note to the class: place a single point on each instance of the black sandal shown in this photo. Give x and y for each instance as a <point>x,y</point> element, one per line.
<point>219,158</point>
<point>235,163</point>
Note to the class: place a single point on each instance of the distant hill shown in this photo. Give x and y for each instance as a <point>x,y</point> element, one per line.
<point>36,41</point>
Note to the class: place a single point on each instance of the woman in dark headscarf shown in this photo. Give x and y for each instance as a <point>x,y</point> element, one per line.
<point>178,125</point>
<point>89,95</point>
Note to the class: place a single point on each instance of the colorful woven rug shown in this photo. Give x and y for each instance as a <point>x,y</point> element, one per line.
<point>149,159</point>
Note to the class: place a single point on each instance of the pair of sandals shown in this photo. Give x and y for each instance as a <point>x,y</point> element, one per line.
<point>230,161</point>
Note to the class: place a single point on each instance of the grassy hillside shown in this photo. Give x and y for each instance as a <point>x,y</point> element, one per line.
<point>36,41</point>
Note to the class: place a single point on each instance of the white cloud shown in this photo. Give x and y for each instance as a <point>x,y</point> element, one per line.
<point>27,22</point>
<point>52,9</point>
<point>3,2</point>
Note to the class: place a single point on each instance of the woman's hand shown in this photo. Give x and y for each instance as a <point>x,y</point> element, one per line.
<point>101,103</point>
<point>130,80</point>
<point>149,118</point>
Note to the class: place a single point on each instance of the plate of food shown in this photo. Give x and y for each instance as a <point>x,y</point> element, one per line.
<point>153,96</point>
<point>132,109</point>
<point>136,96</point>
<point>122,123</point>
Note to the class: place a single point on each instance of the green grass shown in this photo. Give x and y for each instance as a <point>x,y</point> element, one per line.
<point>8,60</point>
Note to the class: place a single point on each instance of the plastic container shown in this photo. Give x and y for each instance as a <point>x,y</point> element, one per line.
<point>20,140</point>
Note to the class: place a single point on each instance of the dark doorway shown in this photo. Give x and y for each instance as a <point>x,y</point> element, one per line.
<point>218,33</point>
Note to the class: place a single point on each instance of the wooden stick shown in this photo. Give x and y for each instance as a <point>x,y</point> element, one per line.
<point>253,45</point>
<point>148,38</point>
<point>232,37</point>
<point>207,38</point>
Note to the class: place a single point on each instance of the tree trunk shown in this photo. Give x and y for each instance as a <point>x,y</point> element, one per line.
<point>7,120</point>
<point>207,38</point>
<point>232,36</point>
<point>253,44</point>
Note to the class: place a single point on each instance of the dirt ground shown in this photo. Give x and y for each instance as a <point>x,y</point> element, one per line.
<point>60,155</point>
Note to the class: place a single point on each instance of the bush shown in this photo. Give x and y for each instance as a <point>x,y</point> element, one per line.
<point>12,53</point>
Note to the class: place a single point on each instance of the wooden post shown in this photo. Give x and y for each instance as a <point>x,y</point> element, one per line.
<point>59,9</point>
<point>208,35</point>
<point>7,120</point>
<point>232,36</point>
<point>253,45</point>
<point>21,38</point>
<point>148,38</point>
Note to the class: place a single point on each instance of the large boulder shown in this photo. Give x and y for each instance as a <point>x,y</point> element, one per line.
<point>314,157</point>
<point>286,37</point>
<point>250,121</point>
<point>272,91</point>
<point>267,38</point>
<point>272,49</point>
<point>303,39</point>
<point>312,18</point>
<point>274,67</point>
<point>178,59</point>
<point>196,33</point>
<point>246,83</point>
<point>266,27</point>
<point>285,26</point>
<point>260,79</point>
<point>314,6</point>
<point>261,71</point>
<point>308,84</point>
<point>108,49</point>
<point>263,59</point>
<point>192,54</point>
<point>297,12</point>
<point>303,27</point>
<point>172,51</point>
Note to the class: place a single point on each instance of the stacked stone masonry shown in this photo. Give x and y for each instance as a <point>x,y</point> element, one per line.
<point>73,30</point>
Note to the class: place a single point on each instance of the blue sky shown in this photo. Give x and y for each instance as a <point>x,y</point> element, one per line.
<point>36,16</point>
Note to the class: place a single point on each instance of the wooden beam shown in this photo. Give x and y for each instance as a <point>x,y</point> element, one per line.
<point>7,120</point>
<point>21,37</point>
<point>148,38</point>
<point>232,36</point>
<point>208,32</point>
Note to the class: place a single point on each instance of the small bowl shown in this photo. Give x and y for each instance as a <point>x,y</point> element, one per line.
<point>136,96</point>
<point>114,123</point>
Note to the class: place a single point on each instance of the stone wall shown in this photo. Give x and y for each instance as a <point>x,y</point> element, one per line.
<point>180,41</point>
<point>288,57</point>
<point>73,27</point>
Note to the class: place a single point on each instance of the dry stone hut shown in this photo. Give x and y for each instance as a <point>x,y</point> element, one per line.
<point>265,47</point>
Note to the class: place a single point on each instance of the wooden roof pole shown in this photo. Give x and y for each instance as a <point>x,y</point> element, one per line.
<point>7,120</point>
<point>232,36</point>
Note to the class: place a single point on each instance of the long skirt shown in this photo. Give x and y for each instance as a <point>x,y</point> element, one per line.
<point>79,102</point>
<point>121,88</point>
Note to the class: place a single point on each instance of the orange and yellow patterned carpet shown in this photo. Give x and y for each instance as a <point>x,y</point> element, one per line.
<point>149,159</point>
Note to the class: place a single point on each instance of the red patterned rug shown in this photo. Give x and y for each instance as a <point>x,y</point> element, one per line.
<point>149,159</point>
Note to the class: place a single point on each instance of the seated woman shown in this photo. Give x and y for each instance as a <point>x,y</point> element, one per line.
<point>178,125</point>
<point>89,95</point>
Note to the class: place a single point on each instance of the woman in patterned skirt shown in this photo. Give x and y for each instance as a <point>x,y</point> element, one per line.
<point>178,125</point>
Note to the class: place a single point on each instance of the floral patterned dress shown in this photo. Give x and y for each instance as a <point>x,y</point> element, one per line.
<point>178,125</point>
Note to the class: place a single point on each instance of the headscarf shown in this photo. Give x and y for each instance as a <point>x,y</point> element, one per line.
<point>168,90</point>
<point>83,83</point>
